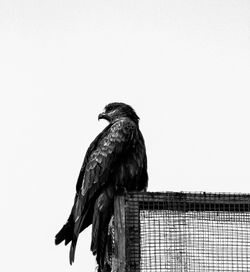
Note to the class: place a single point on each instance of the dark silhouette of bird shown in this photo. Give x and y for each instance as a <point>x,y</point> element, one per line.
<point>115,162</point>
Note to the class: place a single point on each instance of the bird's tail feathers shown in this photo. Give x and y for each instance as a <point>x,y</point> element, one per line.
<point>64,234</point>
<point>72,251</point>
<point>80,224</point>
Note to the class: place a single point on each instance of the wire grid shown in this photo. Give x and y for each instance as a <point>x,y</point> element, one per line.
<point>188,232</point>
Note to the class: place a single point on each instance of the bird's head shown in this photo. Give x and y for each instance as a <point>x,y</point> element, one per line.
<point>115,111</point>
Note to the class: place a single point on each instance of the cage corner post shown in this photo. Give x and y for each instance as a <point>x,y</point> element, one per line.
<point>119,260</point>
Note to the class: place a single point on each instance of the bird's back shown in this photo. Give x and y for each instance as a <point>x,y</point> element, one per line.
<point>114,162</point>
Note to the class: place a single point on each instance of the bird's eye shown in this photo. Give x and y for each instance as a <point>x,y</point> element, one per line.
<point>109,108</point>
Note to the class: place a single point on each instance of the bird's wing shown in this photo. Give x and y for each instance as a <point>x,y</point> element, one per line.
<point>66,233</point>
<point>107,151</point>
<point>97,168</point>
<point>91,149</point>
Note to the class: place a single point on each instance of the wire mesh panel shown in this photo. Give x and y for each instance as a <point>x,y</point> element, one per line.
<point>187,232</point>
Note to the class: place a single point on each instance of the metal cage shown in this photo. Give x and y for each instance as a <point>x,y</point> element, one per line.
<point>184,232</point>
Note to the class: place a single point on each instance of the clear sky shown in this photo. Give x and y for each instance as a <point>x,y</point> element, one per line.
<point>183,65</point>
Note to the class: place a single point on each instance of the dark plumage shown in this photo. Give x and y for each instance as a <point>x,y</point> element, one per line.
<point>114,162</point>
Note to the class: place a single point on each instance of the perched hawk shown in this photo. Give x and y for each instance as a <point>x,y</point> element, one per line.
<point>114,162</point>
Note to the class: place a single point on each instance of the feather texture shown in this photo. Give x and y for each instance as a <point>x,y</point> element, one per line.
<point>115,160</point>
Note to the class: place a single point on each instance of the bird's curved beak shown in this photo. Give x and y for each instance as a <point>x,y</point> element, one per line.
<point>103,115</point>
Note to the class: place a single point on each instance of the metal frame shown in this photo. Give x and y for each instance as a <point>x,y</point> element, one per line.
<point>127,218</point>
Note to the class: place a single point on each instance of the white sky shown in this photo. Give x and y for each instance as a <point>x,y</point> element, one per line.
<point>183,65</point>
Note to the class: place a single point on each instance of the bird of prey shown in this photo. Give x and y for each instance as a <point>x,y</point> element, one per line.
<point>115,162</point>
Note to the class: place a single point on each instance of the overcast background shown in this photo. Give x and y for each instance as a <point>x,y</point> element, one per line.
<point>183,65</point>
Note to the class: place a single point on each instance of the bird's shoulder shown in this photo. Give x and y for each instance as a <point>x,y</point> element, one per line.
<point>103,152</point>
<point>112,140</point>
<point>122,128</point>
